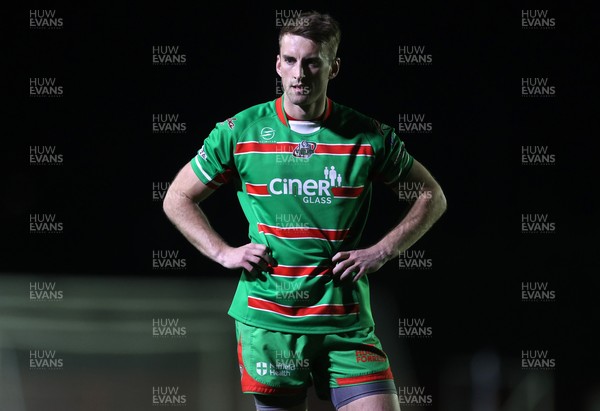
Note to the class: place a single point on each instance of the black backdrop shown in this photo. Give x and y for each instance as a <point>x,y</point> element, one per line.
<point>113,164</point>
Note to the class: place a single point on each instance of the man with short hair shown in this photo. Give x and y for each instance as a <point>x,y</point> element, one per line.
<point>304,167</point>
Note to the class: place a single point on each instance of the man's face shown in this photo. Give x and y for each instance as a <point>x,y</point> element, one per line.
<point>305,70</point>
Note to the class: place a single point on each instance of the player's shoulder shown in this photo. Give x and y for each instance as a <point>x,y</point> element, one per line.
<point>245,118</point>
<point>358,121</point>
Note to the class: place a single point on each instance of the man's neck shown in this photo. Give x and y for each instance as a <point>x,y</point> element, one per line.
<point>313,112</point>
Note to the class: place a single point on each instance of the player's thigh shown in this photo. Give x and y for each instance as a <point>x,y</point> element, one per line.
<point>358,368</point>
<point>376,402</point>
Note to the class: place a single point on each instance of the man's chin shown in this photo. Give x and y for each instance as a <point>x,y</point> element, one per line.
<point>298,99</point>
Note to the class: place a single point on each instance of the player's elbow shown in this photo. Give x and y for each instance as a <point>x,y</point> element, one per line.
<point>169,203</point>
<point>439,201</point>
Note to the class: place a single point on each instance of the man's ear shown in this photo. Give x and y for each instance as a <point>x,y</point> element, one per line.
<point>278,65</point>
<point>335,68</point>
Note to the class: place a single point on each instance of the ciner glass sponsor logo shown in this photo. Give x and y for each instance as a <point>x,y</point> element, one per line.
<point>312,191</point>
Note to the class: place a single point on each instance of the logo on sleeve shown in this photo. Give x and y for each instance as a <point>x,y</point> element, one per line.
<point>202,153</point>
<point>230,122</point>
<point>305,149</point>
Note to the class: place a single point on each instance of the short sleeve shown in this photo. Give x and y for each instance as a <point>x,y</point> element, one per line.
<point>214,164</point>
<point>395,161</point>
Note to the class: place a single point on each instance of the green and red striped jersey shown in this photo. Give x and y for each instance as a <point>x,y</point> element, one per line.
<point>306,195</point>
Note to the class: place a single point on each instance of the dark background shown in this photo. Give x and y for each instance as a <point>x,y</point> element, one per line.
<point>470,93</point>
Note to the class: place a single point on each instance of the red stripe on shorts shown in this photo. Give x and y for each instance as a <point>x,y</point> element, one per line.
<point>378,376</point>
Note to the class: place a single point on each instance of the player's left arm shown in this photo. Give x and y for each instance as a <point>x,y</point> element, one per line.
<point>427,208</point>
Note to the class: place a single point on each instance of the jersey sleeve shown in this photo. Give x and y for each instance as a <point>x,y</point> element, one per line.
<point>214,162</point>
<point>394,161</point>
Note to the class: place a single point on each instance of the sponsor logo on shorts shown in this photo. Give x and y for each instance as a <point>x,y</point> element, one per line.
<point>262,368</point>
<point>369,356</point>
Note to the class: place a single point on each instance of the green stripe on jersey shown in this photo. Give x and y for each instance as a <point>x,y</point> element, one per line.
<point>306,196</point>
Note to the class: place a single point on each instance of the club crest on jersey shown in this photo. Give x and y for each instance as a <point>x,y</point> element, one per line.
<point>304,149</point>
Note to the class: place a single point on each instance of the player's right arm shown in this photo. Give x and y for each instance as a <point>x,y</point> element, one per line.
<point>182,207</point>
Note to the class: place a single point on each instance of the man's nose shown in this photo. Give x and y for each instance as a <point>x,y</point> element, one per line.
<point>299,72</point>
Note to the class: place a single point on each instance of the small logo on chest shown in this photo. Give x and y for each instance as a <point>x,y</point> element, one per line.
<point>304,149</point>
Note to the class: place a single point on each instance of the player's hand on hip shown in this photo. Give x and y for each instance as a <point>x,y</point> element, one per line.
<point>356,263</point>
<point>250,257</point>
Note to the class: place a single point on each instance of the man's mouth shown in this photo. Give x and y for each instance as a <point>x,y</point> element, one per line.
<point>300,87</point>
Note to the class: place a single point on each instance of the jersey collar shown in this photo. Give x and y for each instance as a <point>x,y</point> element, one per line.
<point>283,118</point>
